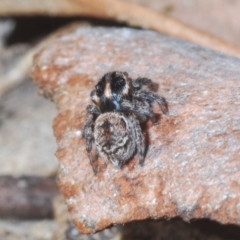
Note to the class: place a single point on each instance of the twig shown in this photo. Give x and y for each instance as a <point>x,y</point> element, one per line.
<point>27,197</point>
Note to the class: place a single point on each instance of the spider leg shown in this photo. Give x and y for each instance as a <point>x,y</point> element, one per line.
<point>144,83</point>
<point>93,112</point>
<point>153,97</point>
<point>140,141</point>
<point>141,109</point>
<point>162,103</point>
<point>116,161</point>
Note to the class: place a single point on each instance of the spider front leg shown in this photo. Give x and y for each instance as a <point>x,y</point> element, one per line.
<point>144,84</point>
<point>93,113</point>
<point>154,97</point>
<point>140,141</point>
<point>141,109</point>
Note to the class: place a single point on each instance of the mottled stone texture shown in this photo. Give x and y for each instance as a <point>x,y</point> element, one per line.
<point>192,167</point>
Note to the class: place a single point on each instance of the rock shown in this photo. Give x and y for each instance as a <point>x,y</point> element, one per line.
<point>192,164</point>
<point>6,27</point>
<point>26,143</point>
<point>12,229</point>
<point>10,72</point>
<point>144,230</point>
<point>67,231</point>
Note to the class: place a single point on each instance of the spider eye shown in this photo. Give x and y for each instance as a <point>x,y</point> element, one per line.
<point>99,90</point>
<point>120,81</point>
<point>118,84</point>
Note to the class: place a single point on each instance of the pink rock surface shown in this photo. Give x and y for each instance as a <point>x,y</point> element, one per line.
<point>192,166</point>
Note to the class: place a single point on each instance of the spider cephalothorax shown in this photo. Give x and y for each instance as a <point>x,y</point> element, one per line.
<point>113,123</point>
<point>110,90</point>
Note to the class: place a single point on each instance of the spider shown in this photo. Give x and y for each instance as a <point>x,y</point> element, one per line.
<point>113,122</point>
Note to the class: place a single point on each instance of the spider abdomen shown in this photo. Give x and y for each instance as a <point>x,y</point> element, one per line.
<point>114,137</point>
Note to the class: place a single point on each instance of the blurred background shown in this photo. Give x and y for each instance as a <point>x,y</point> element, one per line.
<point>30,204</point>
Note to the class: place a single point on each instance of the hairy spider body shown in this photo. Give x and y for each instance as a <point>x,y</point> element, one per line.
<point>117,137</point>
<point>113,123</point>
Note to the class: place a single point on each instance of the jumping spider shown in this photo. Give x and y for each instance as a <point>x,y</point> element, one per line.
<point>113,123</point>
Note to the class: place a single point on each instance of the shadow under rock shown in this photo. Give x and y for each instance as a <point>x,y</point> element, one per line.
<point>175,229</point>
<point>32,28</point>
